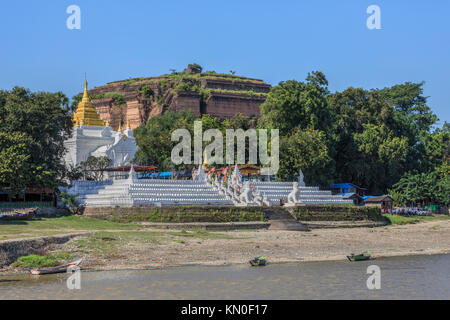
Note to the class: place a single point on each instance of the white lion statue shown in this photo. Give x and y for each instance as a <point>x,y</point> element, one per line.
<point>266,201</point>
<point>258,199</point>
<point>294,196</point>
<point>246,195</point>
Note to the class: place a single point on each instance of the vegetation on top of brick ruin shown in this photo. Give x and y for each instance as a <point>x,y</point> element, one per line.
<point>184,75</point>
<point>242,92</point>
<point>161,90</point>
<point>116,97</point>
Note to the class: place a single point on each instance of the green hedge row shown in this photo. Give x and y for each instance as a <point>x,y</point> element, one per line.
<point>179,214</point>
<point>337,213</point>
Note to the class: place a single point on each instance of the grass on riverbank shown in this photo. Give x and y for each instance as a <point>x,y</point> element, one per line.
<point>62,225</point>
<point>42,261</point>
<point>400,220</point>
<point>201,234</point>
<point>116,244</point>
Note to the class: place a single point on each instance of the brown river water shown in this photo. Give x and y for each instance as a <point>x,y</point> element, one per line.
<point>415,277</point>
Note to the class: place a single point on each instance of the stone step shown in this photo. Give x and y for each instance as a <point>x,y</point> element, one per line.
<point>289,225</point>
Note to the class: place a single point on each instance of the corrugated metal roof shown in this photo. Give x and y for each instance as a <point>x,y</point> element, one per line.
<point>377,198</point>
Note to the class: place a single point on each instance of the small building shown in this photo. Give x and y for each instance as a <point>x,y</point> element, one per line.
<point>346,187</point>
<point>384,202</point>
<point>357,199</point>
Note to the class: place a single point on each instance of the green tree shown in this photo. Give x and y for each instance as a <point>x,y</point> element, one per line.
<point>154,137</point>
<point>423,188</point>
<point>306,150</point>
<point>43,123</point>
<point>300,111</point>
<point>443,183</point>
<point>93,168</point>
<point>195,68</point>
<point>433,148</point>
<point>381,157</point>
<point>352,111</point>
<point>294,104</point>
<point>15,160</point>
<point>411,107</point>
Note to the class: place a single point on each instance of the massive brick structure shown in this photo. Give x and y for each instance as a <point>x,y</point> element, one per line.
<point>137,100</point>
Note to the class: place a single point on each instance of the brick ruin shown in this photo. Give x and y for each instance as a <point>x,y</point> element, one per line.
<point>137,100</point>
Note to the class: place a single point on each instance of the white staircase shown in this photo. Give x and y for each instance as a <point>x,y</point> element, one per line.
<point>155,192</point>
<point>275,191</point>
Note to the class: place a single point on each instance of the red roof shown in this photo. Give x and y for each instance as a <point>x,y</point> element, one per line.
<point>38,190</point>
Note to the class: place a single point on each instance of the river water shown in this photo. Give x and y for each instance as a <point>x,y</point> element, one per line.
<point>418,277</point>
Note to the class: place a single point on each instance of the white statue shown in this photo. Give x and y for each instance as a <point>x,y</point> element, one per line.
<point>132,176</point>
<point>258,199</point>
<point>201,175</point>
<point>294,196</point>
<point>246,195</point>
<point>301,179</point>
<point>220,187</point>
<point>229,191</point>
<point>235,196</point>
<point>236,177</point>
<point>266,201</point>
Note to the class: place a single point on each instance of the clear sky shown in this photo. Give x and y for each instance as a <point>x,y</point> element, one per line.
<point>269,40</point>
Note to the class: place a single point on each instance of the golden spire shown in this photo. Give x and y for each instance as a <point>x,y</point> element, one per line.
<point>128,125</point>
<point>86,113</point>
<point>120,126</point>
<point>205,162</point>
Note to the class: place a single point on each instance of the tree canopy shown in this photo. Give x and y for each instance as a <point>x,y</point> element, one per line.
<point>33,128</point>
<point>372,138</point>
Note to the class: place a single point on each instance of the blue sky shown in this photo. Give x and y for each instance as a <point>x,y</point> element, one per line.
<point>269,40</point>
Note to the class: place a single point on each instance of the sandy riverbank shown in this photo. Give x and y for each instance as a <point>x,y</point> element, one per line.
<point>156,248</point>
<point>219,248</point>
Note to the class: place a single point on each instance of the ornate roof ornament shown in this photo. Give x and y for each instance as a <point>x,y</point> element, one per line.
<point>86,113</point>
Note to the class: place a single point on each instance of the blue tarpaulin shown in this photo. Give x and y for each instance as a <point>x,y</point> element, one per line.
<point>163,175</point>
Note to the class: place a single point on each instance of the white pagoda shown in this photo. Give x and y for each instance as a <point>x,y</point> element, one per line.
<point>93,137</point>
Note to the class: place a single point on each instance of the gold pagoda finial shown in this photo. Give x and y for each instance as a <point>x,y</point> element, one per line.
<point>120,126</point>
<point>87,111</point>
<point>128,125</point>
<point>85,93</point>
<point>205,162</point>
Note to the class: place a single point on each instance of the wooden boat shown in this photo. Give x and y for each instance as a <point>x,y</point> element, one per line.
<point>359,257</point>
<point>258,261</point>
<point>59,269</point>
<point>26,214</point>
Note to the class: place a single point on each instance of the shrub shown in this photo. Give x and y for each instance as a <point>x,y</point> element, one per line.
<point>337,213</point>
<point>36,261</point>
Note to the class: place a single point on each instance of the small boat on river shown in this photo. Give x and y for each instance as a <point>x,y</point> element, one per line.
<point>258,261</point>
<point>58,269</point>
<point>359,257</point>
